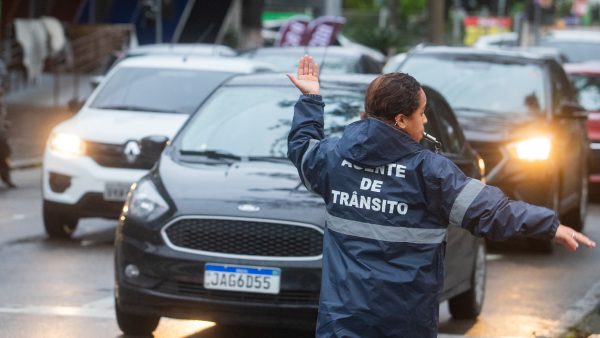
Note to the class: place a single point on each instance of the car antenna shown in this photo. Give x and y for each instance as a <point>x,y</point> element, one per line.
<point>208,30</point>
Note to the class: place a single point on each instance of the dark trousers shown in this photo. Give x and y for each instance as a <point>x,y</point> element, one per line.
<point>4,165</point>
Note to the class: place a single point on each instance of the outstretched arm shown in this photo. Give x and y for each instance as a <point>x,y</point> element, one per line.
<point>308,76</point>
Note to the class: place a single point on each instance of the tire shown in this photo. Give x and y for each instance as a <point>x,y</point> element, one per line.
<point>135,324</point>
<point>468,304</point>
<point>576,217</point>
<point>57,224</point>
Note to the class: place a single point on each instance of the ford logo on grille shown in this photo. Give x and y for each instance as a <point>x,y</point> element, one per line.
<point>248,208</point>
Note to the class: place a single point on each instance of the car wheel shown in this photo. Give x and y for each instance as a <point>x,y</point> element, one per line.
<point>576,217</point>
<point>468,304</point>
<point>57,224</point>
<point>135,324</point>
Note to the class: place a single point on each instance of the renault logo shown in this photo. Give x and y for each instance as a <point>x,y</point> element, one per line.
<point>132,151</point>
<point>248,208</point>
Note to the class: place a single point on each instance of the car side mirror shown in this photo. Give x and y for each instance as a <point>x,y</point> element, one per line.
<point>572,109</point>
<point>95,81</point>
<point>152,146</point>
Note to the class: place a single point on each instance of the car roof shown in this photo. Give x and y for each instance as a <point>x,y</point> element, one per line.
<point>592,68</point>
<point>195,62</point>
<point>331,50</point>
<point>489,53</point>
<point>280,79</point>
<point>181,48</point>
<point>582,35</point>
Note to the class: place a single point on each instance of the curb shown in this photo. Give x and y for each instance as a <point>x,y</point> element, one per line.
<point>576,312</point>
<point>27,163</point>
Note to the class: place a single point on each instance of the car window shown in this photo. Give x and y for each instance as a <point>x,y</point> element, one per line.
<point>575,51</point>
<point>332,64</point>
<point>260,118</point>
<point>474,87</point>
<point>157,90</point>
<point>439,112</point>
<point>588,87</point>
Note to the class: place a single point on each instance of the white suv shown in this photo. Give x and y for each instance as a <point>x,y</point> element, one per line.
<point>91,159</point>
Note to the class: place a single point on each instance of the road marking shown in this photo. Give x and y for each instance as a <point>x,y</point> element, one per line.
<point>68,311</point>
<point>102,303</point>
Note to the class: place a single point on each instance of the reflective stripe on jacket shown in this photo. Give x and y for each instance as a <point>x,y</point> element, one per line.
<point>389,203</point>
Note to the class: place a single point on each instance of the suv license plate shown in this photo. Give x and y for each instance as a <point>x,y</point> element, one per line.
<point>116,191</point>
<point>242,278</point>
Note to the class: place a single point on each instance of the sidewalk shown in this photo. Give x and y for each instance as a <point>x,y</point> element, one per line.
<point>34,111</point>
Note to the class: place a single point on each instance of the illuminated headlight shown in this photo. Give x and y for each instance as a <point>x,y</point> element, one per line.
<point>533,149</point>
<point>144,202</point>
<point>67,144</point>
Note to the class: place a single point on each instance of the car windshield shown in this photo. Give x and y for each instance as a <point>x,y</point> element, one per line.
<point>332,65</point>
<point>251,121</point>
<point>588,88</point>
<point>474,86</point>
<point>157,90</point>
<point>575,51</point>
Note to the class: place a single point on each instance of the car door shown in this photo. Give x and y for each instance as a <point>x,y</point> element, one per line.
<point>571,138</point>
<point>460,246</point>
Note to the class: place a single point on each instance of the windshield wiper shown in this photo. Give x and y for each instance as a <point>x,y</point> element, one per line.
<point>214,154</point>
<point>138,108</point>
<point>477,110</point>
<point>268,158</point>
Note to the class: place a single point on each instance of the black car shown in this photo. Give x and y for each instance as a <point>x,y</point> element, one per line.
<point>520,112</point>
<point>332,59</point>
<point>222,228</point>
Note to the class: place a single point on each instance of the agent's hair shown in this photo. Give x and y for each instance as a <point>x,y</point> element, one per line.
<point>392,94</point>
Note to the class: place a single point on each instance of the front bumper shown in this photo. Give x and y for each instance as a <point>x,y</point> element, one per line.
<point>171,283</point>
<point>79,183</point>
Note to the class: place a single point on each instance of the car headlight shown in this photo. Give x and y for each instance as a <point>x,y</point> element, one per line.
<point>145,202</point>
<point>533,149</point>
<point>67,144</point>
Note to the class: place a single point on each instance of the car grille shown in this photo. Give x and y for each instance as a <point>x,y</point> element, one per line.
<point>490,152</point>
<point>244,237</point>
<point>113,156</point>
<point>296,297</point>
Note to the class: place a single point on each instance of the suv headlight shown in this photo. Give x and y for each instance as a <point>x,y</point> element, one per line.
<point>69,145</point>
<point>532,149</point>
<point>145,202</point>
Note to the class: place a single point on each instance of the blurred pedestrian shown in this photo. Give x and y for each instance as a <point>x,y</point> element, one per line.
<point>389,203</point>
<point>4,126</point>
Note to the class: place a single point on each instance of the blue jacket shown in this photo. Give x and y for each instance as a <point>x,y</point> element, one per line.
<point>389,203</point>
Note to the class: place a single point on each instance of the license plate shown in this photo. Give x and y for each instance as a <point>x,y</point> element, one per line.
<point>116,191</point>
<point>242,278</point>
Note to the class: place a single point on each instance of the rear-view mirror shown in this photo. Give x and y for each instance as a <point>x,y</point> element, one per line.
<point>571,109</point>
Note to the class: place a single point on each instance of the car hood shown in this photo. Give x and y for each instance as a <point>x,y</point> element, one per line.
<point>495,129</point>
<point>116,127</point>
<point>253,189</point>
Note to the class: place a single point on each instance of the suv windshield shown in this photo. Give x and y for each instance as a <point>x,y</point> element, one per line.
<point>588,88</point>
<point>157,90</point>
<point>252,121</point>
<point>474,86</point>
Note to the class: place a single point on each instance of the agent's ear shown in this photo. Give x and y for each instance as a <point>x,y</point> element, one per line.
<point>400,121</point>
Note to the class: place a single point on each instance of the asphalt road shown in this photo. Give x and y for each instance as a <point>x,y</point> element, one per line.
<point>61,289</point>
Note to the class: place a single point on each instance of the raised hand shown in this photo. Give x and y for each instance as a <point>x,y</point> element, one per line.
<point>570,238</point>
<point>308,76</point>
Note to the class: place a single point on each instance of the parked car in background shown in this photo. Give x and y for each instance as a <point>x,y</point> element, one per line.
<point>586,79</point>
<point>223,229</point>
<point>521,113</point>
<point>91,159</point>
<point>506,39</point>
<point>579,45</point>
<point>332,60</point>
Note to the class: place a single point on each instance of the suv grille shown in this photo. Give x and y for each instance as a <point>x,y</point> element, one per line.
<point>241,237</point>
<point>113,156</point>
<point>296,297</point>
<point>490,152</point>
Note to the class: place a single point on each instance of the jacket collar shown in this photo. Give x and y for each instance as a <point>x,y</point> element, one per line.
<point>371,142</point>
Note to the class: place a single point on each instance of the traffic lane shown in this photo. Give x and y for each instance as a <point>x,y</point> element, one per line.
<point>527,293</point>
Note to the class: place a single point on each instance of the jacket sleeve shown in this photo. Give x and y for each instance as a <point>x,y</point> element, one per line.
<point>306,142</point>
<point>484,210</point>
